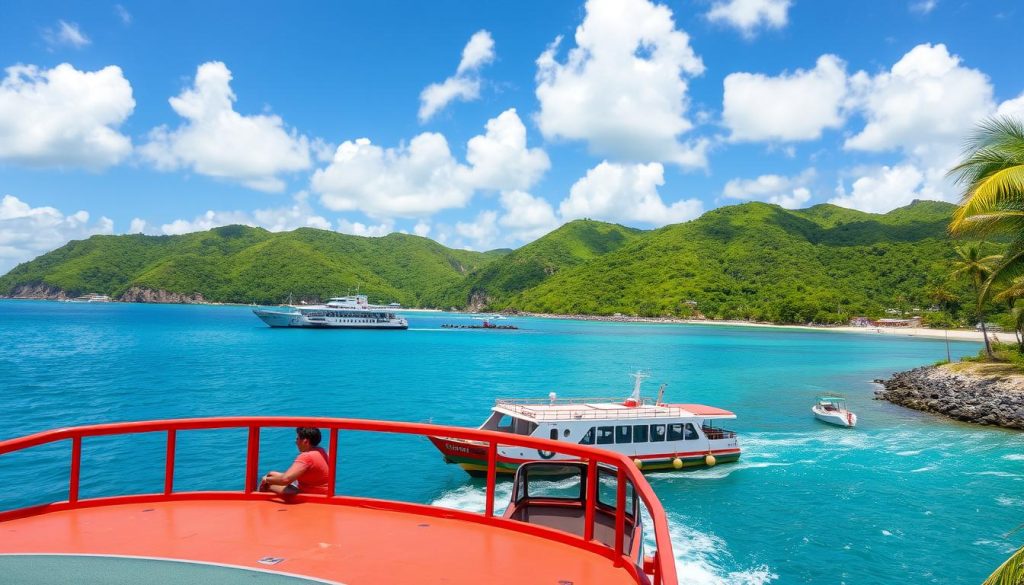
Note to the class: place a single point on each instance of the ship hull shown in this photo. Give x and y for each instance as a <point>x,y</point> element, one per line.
<point>285,319</point>
<point>472,457</point>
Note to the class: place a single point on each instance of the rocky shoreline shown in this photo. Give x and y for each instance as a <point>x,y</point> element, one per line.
<point>134,294</point>
<point>985,394</point>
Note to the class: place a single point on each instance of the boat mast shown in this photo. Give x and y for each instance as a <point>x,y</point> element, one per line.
<point>638,378</point>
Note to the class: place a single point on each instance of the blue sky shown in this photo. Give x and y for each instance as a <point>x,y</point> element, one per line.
<point>481,125</point>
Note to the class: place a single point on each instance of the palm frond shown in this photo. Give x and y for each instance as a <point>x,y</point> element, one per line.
<point>1009,269</point>
<point>1011,572</point>
<point>1002,190</point>
<point>983,224</point>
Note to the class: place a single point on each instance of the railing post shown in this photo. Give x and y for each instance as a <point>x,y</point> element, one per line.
<point>588,521</point>
<point>492,473</point>
<point>252,460</point>
<point>76,468</point>
<point>332,463</point>
<point>657,568</point>
<point>169,462</point>
<point>620,510</point>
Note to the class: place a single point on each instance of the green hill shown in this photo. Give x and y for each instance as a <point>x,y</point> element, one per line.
<point>573,244</point>
<point>762,262</point>
<point>754,261</point>
<point>244,264</point>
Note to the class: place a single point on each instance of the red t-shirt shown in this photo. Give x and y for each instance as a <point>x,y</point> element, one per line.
<point>313,479</point>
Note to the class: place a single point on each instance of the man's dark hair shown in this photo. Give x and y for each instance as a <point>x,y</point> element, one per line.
<point>310,433</point>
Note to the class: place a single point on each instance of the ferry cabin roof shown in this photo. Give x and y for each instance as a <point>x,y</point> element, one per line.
<point>606,411</point>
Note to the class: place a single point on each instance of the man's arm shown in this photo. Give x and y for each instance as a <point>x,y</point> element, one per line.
<point>293,473</point>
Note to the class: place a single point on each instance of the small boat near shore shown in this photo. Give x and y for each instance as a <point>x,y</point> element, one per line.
<point>351,312</point>
<point>655,434</point>
<point>485,325</point>
<point>831,409</point>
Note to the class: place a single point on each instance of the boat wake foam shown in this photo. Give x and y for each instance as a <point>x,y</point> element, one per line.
<point>702,558</point>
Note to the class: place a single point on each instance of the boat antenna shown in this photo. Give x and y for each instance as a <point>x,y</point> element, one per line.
<point>661,393</point>
<point>638,378</point>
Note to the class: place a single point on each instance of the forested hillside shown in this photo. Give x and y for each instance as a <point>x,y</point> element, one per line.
<point>749,261</point>
<point>244,264</point>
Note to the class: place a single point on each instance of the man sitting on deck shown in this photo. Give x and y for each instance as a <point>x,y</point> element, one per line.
<point>309,470</point>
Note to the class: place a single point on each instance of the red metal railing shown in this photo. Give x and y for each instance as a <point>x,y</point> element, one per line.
<point>661,567</point>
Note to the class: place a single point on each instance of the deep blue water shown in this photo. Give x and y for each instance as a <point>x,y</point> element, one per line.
<point>906,497</point>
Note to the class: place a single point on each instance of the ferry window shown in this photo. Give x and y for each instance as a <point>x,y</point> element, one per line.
<point>657,433</point>
<point>605,435</point>
<point>554,434</point>
<point>639,433</point>
<point>588,439</point>
<point>565,433</point>
<point>691,433</point>
<point>675,432</point>
<point>505,423</point>
<point>624,434</point>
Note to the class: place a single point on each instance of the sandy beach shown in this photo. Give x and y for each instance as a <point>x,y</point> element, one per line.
<point>954,334</point>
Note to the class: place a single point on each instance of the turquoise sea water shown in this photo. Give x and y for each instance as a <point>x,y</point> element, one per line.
<point>906,497</point>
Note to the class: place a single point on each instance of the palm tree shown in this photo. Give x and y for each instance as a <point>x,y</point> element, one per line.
<point>978,269</point>
<point>992,175</point>
<point>1010,572</point>
<point>1010,296</point>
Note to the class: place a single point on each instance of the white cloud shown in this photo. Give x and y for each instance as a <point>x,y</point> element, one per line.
<point>419,179</point>
<point>883,189</point>
<point>478,52</point>
<point>360,229</point>
<point>749,15</point>
<point>622,88</point>
<point>63,117</point>
<point>626,193</point>
<point>482,232</point>
<point>1012,107</point>
<point>423,177</point>
<point>217,141</point>
<point>465,84</point>
<point>789,192</point>
<point>923,6</point>
<point>66,33</point>
<point>500,159</point>
<point>275,219</point>
<point>26,232</point>
<point>923,106</point>
<point>422,228</point>
<point>526,217</point>
<point>797,106</point>
<point>123,14</point>
<point>138,226</point>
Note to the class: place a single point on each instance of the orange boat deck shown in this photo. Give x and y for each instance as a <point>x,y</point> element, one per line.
<point>330,542</point>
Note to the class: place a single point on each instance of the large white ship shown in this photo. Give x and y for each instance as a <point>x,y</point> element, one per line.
<point>351,312</point>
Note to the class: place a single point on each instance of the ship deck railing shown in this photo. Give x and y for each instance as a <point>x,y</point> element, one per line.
<point>660,566</point>
<point>577,409</point>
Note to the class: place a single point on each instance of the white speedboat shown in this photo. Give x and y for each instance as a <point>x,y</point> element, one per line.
<point>831,408</point>
<point>656,435</point>
<point>351,312</point>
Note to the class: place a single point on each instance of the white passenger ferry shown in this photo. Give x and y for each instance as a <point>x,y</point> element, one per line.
<point>656,435</point>
<point>351,312</point>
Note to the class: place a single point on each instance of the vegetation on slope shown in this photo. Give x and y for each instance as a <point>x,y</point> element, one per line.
<point>244,264</point>
<point>573,244</point>
<point>761,262</point>
<point>751,261</point>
